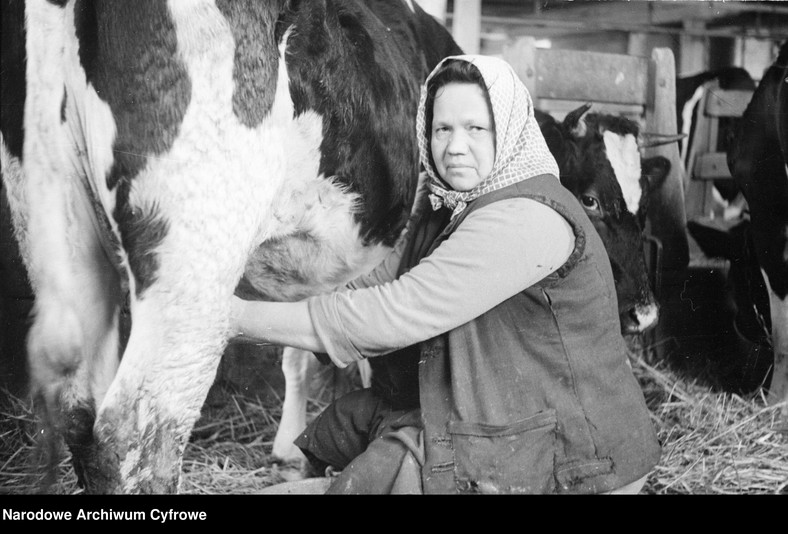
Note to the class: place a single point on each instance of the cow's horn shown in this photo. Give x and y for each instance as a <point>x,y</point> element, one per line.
<point>649,140</point>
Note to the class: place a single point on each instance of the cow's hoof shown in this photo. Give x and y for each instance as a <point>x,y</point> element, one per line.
<point>288,453</point>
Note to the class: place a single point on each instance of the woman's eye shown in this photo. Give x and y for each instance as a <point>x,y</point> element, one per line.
<point>589,202</point>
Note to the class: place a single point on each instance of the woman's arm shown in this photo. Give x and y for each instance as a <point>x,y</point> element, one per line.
<point>279,323</point>
<point>498,251</point>
<point>386,271</point>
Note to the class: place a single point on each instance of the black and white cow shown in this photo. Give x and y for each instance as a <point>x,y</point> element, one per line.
<point>725,321</point>
<point>690,89</point>
<point>689,92</point>
<point>599,160</point>
<point>758,161</point>
<point>173,149</point>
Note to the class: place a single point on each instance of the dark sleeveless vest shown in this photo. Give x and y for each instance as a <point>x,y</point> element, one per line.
<point>536,395</point>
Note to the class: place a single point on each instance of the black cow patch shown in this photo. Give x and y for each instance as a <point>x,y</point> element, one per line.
<point>12,81</point>
<point>142,232</point>
<point>136,72</point>
<point>63,103</point>
<point>346,63</point>
<point>256,58</point>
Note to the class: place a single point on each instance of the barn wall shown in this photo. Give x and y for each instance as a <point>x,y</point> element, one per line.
<point>701,35</point>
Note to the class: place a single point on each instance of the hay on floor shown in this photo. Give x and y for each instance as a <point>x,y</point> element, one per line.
<point>713,443</point>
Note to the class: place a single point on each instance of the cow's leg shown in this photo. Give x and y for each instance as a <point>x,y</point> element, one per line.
<point>298,367</point>
<point>365,372</point>
<point>180,317</point>
<point>198,234</point>
<point>180,308</point>
<point>778,389</point>
<point>169,364</point>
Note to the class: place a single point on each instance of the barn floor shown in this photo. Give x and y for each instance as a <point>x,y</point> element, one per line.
<point>713,442</point>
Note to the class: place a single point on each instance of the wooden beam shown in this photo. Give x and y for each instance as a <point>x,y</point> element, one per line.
<point>654,13</point>
<point>711,166</point>
<point>547,26</point>
<point>727,103</point>
<point>619,78</point>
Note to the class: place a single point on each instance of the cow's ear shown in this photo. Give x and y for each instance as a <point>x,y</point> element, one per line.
<point>573,122</point>
<point>653,172</point>
<point>552,133</point>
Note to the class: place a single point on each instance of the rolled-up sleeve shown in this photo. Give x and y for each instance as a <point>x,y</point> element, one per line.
<point>497,251</point>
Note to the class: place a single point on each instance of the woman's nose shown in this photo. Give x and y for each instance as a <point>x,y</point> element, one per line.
<point>458,144</point>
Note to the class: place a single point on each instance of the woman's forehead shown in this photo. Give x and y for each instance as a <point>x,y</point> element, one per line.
<point>460,98</point>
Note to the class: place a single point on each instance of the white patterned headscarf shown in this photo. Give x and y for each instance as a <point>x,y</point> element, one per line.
<point>521,151</point>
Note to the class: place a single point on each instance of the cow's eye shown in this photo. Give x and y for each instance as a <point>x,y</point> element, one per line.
<point>589,202</point>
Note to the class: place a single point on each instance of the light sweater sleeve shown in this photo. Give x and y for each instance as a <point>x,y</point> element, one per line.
<point>386,271</point>
<point>497,251</point>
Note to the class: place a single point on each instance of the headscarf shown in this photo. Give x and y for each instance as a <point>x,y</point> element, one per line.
<point>521,151</point>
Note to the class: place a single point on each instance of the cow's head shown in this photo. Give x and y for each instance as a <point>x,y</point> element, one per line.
<point>599,160</point>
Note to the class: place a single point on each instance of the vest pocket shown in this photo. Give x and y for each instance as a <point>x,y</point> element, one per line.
<point>514,458</point>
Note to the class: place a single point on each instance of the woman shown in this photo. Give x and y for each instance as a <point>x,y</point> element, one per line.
<point>505,371</point>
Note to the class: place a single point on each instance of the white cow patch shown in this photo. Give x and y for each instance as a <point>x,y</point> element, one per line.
<point>686,120</point>
<point>778,390</point>
<point>624,157</point>
<point>15,191</point>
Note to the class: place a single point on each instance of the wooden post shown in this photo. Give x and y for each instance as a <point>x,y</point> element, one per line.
<point>466,26</point>
<point>666,218</point>
<point>636,45</point>
<point>521,55</point>
<point>693,50</point>
<point>436,8</point>
<point>666,213</point>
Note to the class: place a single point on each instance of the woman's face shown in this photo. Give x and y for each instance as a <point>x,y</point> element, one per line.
<point>463,142</point>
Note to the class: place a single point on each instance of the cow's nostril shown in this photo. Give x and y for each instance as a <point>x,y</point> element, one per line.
<point>645,316</point>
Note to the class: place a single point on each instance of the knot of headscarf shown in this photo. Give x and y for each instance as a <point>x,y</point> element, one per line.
<point>453,200</point>
<point>521,151</point>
